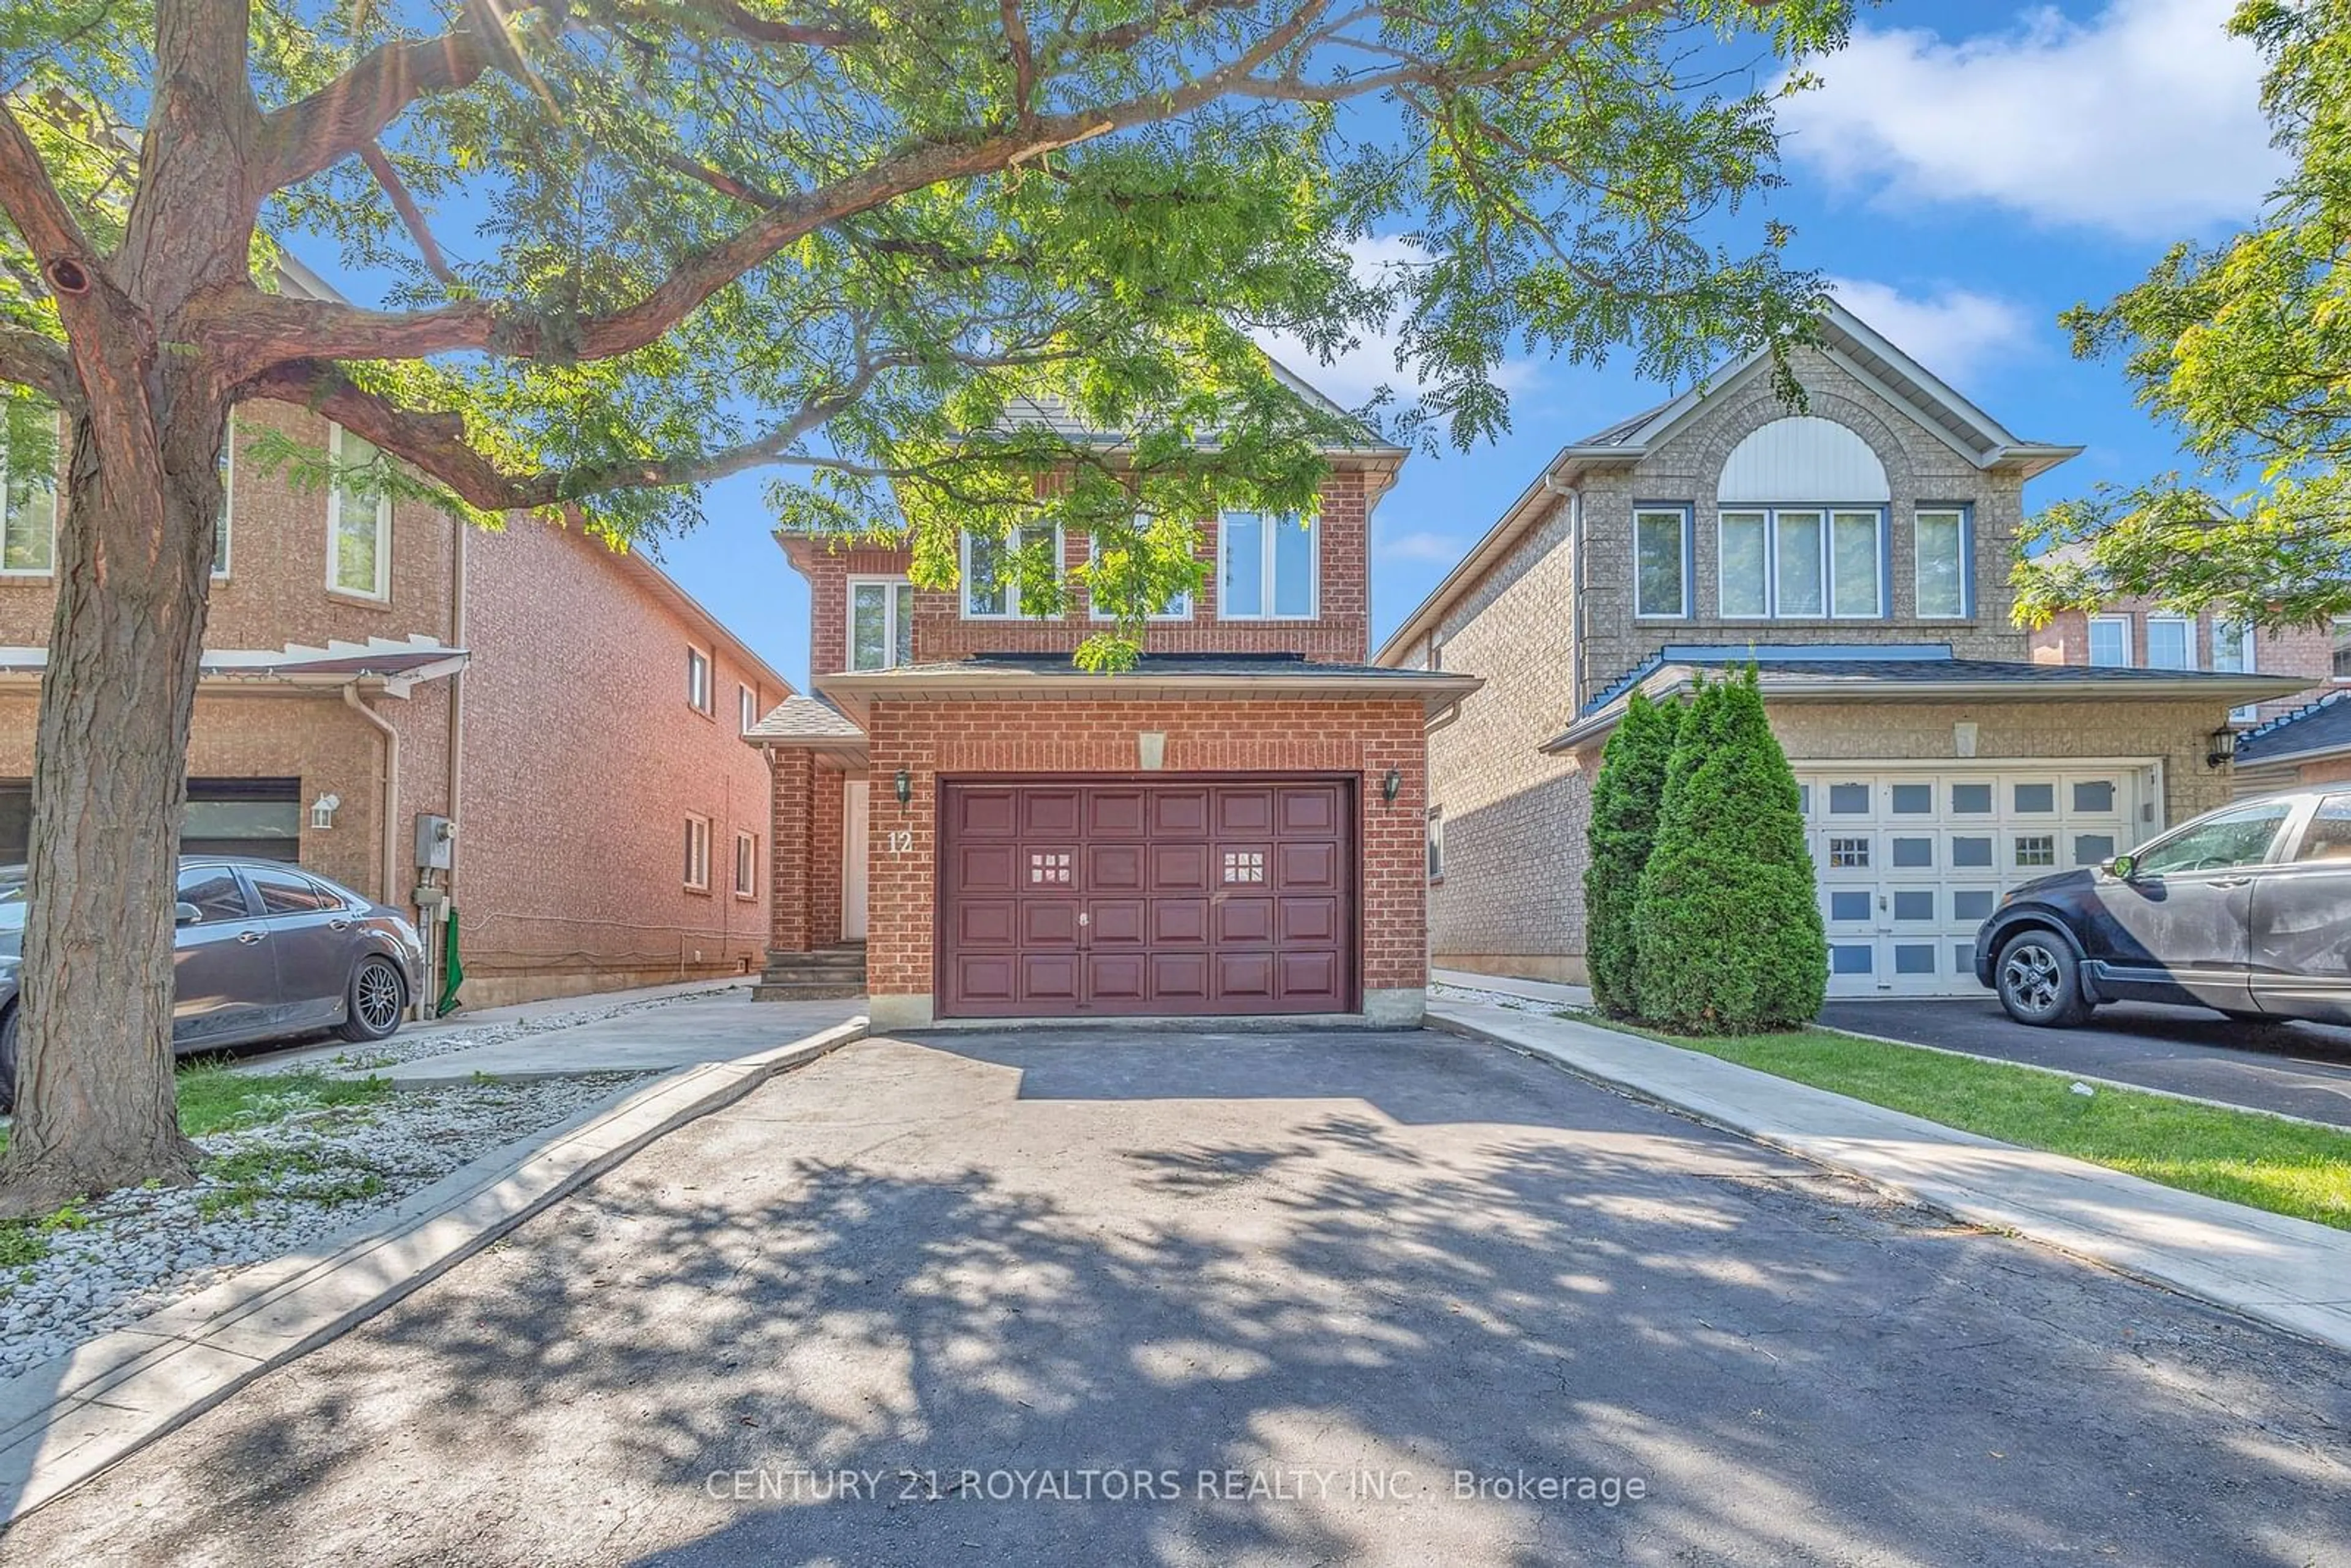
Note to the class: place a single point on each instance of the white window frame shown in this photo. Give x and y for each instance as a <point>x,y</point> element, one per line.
<point>890,617</point>
<point>1828,512</point>
<point>2090,640</point>
<point>746,702</point>
<point>224,534</point>
<point>1966,516</point>
<point>2188,625</point>
<point>1275,521</point>
<point>1094,613</point>
<point>382,590</point>
<point>746,866</point>
<point>697,853</point>
<point>1682,515</point>
<point>1435,844</point>
<point>2243,642</point>
<point>57,495</point>
<point>700,682</point>
<point>2339,637</point>
<point>1012,594</point>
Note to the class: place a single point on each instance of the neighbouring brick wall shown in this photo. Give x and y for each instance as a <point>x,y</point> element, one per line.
<point>1076,738</point>
<point>1339,632</point>
<point>2298,651</point>
<point>1512,897</point>
<point>791,812</point>
<point>825,851</point>
<point>583,758</point>
<point>1919,469</point>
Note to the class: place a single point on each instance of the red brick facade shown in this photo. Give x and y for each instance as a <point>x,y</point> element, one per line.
<point>1364,739</point>
<point>2301,650</point>
<point>575,757</point>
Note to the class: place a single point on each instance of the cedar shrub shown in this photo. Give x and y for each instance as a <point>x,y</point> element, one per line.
<point>1626,796</point>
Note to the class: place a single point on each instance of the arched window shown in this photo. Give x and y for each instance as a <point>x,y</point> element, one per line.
<point>1800,525</point>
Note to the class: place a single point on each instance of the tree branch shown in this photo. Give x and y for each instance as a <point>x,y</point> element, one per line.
<point>410,213</point>
<point>348,114</point>
<point>32,360</point>
<point>32,202</point>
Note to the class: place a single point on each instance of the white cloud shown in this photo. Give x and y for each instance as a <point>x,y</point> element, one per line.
<point>2144,120</point>
<point>1952,333</point>
<point>1355,375</point>
<point>1438,549</point>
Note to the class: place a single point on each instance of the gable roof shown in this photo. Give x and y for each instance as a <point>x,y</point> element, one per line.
<point>1846,340</point>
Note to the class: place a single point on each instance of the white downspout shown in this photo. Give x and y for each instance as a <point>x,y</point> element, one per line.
<point>390,792</point>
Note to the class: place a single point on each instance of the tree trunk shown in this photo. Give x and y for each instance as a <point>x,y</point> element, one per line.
<point>95,1102</point>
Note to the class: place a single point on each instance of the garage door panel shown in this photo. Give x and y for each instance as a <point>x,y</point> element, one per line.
<point>1182,922</point>
<point>1116,922</point>
<point>1115,868</point>
<point>1136,897</point>
<point>984,814</point>
<point>1306,866</point>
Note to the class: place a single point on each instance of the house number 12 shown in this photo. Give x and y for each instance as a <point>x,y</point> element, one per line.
<point>902,840</point>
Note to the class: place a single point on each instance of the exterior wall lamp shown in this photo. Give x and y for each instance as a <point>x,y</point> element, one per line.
<point>322,811</point>
<point>905,789</point>
<point>1391,784</point>
<point>2225,748</point>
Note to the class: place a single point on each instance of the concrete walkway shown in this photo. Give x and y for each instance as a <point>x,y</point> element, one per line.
<point>654,1030</point>
<point>2289,1272</point>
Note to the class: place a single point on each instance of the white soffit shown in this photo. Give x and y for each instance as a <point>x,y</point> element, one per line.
<point>1804,458</point>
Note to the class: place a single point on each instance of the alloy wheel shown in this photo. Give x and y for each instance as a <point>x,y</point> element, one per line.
<point>377,995</point>
<point>2031,977</point>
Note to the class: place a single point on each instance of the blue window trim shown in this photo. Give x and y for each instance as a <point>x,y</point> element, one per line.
<point>1687,512</point>
<point>1967,512</point>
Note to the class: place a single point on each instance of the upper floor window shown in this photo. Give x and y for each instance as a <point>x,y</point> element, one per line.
<point>28,523</point>
<point>2232,653</point>
<point>747,705</point>
<point>1661,574</point>
<point>1176,606</point>
<point>359,521</point>
<point>697,853</point>
<point>1802,563</point>
<point>2171,643</point>
<point>697,679</point>
<point>2110,641</point>
<point>880,622</point>
<point>2340,629</point>
<point>1265,567</point>
<point>746,866</point>
<point>992,585</point>
<point>1940,538</point>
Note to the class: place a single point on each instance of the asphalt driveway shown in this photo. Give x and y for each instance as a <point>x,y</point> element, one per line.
<point>2303,1069</point>
<point>1195,1298</point>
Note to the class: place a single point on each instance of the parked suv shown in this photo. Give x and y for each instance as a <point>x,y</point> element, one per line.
<point>263,950</point>
<point>2245,910</point>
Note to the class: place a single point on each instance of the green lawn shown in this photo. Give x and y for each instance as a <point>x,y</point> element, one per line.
<point>2284,1166</point>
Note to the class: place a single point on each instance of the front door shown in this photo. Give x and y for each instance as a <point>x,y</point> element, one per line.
<point>2178,928</point>
<point>855,796</point>
<point>224,979</point>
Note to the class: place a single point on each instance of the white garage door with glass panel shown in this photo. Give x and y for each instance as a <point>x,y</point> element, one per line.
<point>1911,861</point>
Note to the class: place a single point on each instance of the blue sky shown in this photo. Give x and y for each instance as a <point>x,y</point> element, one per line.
<point>1970,169</point>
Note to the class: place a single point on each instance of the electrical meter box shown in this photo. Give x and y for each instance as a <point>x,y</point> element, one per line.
<point>435,837</point>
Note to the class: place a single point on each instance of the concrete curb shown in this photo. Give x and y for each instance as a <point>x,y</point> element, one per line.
<point>67,1420</point>
<point>2292,1274</point>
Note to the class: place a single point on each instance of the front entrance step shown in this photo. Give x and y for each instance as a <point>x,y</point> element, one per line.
<point>837,971</point>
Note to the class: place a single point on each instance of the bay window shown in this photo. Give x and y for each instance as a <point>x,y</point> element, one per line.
<point>1661,563</point>
<point>880,622</point>
<point>1265,567</point>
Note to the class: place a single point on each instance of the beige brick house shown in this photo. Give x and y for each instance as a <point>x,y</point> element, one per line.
<point>573,712</point>
<point>1856,549</point>
<point>973,828</point>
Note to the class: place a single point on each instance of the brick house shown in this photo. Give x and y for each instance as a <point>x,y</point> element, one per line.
<point>1233,826</point>
<point>1857,552</point>
<point>573,710</point>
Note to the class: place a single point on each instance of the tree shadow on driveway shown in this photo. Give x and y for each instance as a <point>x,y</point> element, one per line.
<point>973,1268</point>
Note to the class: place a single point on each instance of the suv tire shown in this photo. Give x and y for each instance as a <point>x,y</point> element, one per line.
<point>2039,981</point>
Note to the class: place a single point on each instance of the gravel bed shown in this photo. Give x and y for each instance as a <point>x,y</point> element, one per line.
<point>325,1171</point>
<point>1511,999</point>
<point>412,1046</point>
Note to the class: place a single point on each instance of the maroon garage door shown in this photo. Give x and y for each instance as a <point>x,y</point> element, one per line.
<point>1208,896</point>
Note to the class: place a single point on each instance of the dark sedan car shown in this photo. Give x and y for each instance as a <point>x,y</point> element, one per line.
<point>263,950</point>
<point>2245,910</point>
